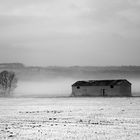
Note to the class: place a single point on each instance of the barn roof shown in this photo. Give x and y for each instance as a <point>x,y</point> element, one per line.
<point>100,82</point>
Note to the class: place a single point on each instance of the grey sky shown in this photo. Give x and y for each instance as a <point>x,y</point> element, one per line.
<point>70,32</point>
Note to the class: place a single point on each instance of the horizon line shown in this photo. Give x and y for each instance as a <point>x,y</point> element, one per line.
<point>25,65</point>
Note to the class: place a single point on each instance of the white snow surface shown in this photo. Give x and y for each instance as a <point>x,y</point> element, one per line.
<point>70,118</point>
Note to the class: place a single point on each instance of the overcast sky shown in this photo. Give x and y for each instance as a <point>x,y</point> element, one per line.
<point>70,32</point>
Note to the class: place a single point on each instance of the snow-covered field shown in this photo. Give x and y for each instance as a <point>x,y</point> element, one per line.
<point>70,118</point>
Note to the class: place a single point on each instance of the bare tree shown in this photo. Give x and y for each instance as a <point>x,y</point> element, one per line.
<point>8,82</point>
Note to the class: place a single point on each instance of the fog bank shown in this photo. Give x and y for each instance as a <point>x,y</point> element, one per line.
<point>52,88</point>
<point>135,87</point>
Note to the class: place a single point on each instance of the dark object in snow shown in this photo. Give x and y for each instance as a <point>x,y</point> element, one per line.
<point>119,87</point>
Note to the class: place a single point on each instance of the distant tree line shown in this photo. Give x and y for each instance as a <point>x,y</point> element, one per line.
<point>8,82</point>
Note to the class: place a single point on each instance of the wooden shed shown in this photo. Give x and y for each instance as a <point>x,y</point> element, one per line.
<point>119,87</point>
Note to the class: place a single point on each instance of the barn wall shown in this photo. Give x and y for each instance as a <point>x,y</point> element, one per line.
<point>85,91</point>
<point>122,90</point>
<point>125,89</point>
<point>96,91</point>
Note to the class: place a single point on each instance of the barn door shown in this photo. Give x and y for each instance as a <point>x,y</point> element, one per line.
<point>103,92</point>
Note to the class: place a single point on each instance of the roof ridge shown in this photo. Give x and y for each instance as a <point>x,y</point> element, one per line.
<point>99,82</point>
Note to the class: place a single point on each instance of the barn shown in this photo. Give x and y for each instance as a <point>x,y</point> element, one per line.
<point>119,87</point>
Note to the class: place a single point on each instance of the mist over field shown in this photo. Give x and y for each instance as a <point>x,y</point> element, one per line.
<point>55,88</point>
<point>56,81</point>
<point>135,87</point>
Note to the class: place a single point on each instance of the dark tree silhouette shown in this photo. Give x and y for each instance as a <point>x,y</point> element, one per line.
<point>8,82</point>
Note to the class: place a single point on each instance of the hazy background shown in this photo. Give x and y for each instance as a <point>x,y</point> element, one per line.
<point>54,81</point>
<point>69,33</point>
